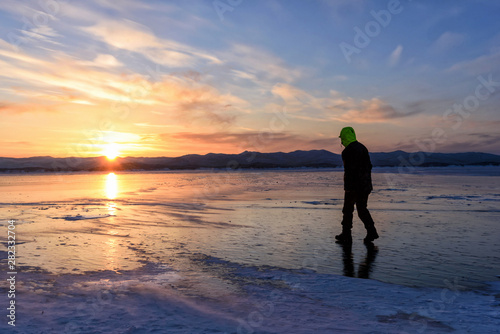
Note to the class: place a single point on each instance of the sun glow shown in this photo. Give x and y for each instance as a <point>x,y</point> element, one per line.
<point>111,151</point>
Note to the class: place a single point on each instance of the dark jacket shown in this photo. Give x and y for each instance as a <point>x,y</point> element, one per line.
<point>357,168</point>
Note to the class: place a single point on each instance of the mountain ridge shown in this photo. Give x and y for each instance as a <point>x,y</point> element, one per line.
<point>246,159</point>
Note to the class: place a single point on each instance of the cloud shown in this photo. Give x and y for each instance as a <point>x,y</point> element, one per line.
<point>301,101</point>
<point>448,40</point>
<point>244,75</point>
<point>486,138</point>
<point>464,139</point>
<point>190,100</point>
<point>125,34</point>
<point>105,61</point>
<point>302,105</point>
<point>338,107</point>
<point>45,30</point>
<point>123,5</point>
<point>7,50</point>
<point>62,80</point>
<point>480,65</point>
<point>261,64</point>
<point>148,125</point>
<point>39,33</point>
<point>472,142</point>
<point>133,36</point>
<point>231,142</point>
<point>291,94</point>
<point>66,77</point>
<point>35,21</point>
<point>78,12</point>
<point>395,55</point>
<point>373,111</point>
<point>214,138</point>
<point>21,108</point>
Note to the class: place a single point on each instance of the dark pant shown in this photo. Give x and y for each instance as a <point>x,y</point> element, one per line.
<point>361,201</point>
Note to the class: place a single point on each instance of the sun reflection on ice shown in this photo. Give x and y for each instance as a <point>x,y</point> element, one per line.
<point>111,192</point>
<point>111,186</point>
<point>111,251</point>
<point>110,254</point>
<point>111,206</point>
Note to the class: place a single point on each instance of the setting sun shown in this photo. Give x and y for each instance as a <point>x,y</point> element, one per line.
<point>111,151</point>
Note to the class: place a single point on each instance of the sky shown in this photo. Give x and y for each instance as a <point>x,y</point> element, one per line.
<point>169,78</point>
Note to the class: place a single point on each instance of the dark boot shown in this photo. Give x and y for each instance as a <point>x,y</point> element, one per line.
<point>345,237</point>
<point>371,235</point>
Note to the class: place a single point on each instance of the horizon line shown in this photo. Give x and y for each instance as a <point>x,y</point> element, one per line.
<point>246,151</point>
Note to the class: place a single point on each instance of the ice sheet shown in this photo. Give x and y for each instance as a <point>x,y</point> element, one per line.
<point>252,252</point>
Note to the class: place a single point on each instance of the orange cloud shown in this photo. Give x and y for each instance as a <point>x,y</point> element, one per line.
<point>373,111</point>
<point>66,80</point>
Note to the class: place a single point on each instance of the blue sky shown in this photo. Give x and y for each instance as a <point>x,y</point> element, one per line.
<point>167,78</point>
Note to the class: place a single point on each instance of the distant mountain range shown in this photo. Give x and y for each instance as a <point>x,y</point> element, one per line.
<point>296,159</point>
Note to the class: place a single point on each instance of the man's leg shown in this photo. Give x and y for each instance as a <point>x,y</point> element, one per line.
<point>347,210</point>
<point>365,216</point>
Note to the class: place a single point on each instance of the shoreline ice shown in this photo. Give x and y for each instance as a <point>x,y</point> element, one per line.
<point>225,297</point>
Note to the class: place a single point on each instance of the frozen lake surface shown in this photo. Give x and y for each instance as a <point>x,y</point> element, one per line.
<point>252,252</point>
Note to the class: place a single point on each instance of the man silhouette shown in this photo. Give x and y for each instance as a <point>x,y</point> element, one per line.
<point>357,186</point>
